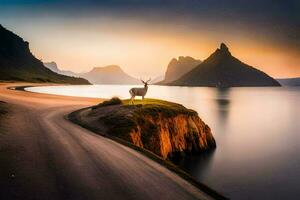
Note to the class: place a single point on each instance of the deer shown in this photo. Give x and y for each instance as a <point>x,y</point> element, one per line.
<point>139,91</point>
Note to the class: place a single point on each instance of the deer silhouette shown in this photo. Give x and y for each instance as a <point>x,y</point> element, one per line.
<point>139,91</point>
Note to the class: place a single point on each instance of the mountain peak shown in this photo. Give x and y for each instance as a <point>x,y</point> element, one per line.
<point>110,74</point>
<point>177,67</point>
<point>52,66</point>
<point>53,63</point>
<point>224,49</point>
<point>221,69</point>
<point>108,68</point>
<point>2,27</point>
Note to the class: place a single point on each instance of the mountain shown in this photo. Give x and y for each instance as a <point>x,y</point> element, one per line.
<point>221,69</point>
<point>157,79</point>
<point>289,81</point>
<point>53,67</point>
<point>17,63</point>
<point>112,74</point>
<point>178,67</point>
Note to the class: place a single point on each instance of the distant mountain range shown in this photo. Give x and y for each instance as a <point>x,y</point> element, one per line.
<point>289,81</point>
<point>112,74</point>
<point>53,67</point>
<point>221,69</point>
<point>178,67</point>
<point>17,63</point>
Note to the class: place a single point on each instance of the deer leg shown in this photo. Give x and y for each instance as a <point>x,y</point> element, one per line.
<point>142,99</point>
<point>132,100</point>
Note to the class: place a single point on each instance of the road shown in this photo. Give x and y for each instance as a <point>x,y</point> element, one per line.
<point>44,156</point>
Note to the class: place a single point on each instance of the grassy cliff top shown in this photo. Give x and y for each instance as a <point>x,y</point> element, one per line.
<point>148,107</point>
<point>121,116</point>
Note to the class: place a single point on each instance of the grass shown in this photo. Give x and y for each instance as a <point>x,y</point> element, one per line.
<point>110,102</point>
<point>155,106</point>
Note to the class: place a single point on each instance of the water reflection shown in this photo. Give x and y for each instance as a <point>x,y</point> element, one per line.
<point>223,104</point>
<point>192,163</point>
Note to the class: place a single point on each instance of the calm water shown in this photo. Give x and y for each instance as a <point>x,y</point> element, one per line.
<point>257,132</point>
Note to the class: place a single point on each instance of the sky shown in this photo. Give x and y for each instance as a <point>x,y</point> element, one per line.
<point>142,36</point>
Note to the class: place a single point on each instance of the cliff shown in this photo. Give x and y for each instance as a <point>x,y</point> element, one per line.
<point>17,63</point>
<point>53,67</point>
<point>168,136</point>
<point>178,67</point>
<point>164,128</point>
<point>221,69</point>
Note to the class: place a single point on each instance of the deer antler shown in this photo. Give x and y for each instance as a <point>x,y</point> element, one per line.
<point>148,80</point>
<point>142,81</point>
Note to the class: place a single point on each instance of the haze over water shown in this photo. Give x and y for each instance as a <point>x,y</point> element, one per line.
<point>256,130</point>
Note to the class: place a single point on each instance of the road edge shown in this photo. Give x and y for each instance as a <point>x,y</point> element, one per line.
<point>172,167</point>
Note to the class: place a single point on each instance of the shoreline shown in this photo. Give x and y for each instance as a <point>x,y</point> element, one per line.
<point>157,159</point>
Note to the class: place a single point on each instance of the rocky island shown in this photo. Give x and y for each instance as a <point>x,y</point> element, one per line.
<point>164,128</point>
<point>221,69</point>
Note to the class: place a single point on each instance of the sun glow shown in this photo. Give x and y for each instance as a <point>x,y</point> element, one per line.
<point>143,48</point>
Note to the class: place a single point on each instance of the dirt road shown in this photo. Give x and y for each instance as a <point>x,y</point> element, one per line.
<point>45,156</point>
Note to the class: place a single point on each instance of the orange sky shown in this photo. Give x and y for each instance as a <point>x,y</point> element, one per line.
<point>144,49</point>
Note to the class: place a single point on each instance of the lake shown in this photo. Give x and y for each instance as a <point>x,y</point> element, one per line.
<point>257,131</point>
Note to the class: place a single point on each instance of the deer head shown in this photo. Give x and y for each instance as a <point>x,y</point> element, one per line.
<point>146,82</point>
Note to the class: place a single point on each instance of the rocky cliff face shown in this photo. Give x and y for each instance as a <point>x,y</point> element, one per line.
<point>164,128</point>
<point>178,67</point>
<point>179,134</point>
<point>17,63</point>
